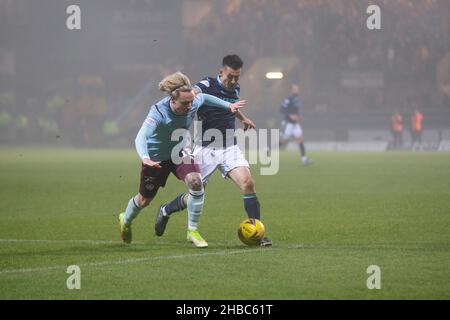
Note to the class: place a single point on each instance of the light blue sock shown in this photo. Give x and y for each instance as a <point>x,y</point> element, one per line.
<point>194,206</point>
<point>132,211</point>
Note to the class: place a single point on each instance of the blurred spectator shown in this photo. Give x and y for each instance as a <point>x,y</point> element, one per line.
<point>416,129</point>
<point>328,37</point>
<point>397,130</point>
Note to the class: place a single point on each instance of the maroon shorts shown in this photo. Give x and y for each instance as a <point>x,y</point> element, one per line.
<point>154,178</point>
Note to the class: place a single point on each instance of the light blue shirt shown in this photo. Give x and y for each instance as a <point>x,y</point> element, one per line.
<point>154,138</point>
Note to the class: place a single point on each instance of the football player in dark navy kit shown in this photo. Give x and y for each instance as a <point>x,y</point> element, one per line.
<point>226,157</point>
<point>292,129</point>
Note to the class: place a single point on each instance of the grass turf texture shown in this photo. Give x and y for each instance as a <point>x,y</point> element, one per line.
<point>329,222</point>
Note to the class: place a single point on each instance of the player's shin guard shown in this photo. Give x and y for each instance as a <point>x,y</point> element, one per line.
<point>251,205</point>
<point>194,207</point>
<point>132,210</point>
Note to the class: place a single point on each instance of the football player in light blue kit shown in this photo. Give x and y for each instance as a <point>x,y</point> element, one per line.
<point>154,145</point>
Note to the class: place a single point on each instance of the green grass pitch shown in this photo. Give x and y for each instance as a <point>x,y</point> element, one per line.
<point>329,222</point>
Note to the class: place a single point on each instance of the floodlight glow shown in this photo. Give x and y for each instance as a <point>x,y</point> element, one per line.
<point>274,75</point>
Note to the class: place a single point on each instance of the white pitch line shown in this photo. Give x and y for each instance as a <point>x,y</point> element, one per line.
<point>65,241</point>
<point>91,241</point>
<point>128,261</point>
<point>288,246</point>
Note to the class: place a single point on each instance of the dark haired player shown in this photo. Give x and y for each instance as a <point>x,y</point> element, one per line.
<point>227,157</point>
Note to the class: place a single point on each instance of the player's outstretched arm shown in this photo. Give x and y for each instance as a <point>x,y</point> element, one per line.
<point>216,102</point>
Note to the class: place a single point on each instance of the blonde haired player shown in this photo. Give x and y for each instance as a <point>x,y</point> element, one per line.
<point>154,147</point>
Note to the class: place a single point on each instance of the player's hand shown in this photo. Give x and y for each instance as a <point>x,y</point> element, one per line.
<point>294,117</point>
<point>248,124</point>
<point>237,105</point>
<point>151,163</point>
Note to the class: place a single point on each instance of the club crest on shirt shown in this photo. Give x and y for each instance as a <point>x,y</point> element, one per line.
<point>150,121</point>
<point>205,83</point>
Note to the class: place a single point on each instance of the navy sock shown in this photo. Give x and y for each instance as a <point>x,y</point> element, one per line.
<point>302,149</point>
<point>175,205</point>
<point>251,205</point>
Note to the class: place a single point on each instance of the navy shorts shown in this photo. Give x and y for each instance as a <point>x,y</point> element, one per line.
<point>154,178</point>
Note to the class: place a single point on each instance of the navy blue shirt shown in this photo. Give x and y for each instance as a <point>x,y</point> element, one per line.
<point>290,105</point>
<point>215,118</point>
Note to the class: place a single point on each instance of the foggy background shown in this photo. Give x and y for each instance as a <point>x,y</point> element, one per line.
<point>93,87</point>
